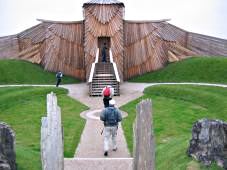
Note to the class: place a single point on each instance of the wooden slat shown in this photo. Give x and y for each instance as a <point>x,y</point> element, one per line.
<point>145,49</point>
<point>207,45</point>
<point>137,46</point>
<point>63,52</point>
<point>103,20</point>
<point>103,2</point>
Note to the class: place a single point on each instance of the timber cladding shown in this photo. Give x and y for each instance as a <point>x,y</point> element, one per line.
<point>8,46</point>
<point>54,45</point>
<point>64,49</point>
<point>103,20</point>
<point>146,46</point>
<point>138,47</point>
<point>207,45</point>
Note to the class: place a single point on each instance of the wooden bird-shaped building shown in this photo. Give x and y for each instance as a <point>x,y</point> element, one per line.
<point>132,47</point>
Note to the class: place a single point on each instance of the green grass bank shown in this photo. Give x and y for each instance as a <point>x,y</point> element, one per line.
<point>23,72</point>
<point>175,109</point>
<point>196,69</point>
<point>23,107</point>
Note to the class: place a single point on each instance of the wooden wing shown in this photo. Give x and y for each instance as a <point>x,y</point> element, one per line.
<point>55,45</point>
<point>25,45</point>
<point>64,49</point>
<point>150,45</point>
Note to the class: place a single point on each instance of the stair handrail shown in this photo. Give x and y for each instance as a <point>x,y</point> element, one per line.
<point>114,66</point>
<point>93,66</point>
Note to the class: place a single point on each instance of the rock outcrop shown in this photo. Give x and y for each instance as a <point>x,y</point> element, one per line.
<point>209,142</point>
<point>7,152</point>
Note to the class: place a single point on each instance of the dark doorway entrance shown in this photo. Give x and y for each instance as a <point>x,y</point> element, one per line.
<point>104,41</point>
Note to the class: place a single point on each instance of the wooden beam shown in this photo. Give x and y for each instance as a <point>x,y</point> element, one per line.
<point>147,21</point>
<point>60,22</point>
<point>172,57</point>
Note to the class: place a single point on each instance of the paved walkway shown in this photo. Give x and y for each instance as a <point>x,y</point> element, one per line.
<point>89,153</point>
<point>91,144</point>
<point>128,91</point>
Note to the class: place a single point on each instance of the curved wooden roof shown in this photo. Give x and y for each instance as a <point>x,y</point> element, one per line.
<point>103,2</point>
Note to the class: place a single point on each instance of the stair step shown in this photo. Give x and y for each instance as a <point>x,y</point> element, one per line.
<point>103,75</point>
<point>104,78</point>
<point>104,72</point>
<point>104,84</point>
<point>100,89</point>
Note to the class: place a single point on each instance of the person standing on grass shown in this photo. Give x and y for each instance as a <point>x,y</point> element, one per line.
<point>59,76</point>
<point>107,93</point>
<point>110,117</point>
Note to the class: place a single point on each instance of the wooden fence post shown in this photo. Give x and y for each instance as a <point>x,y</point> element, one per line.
<point>52,146</point>
<point>144,149</point>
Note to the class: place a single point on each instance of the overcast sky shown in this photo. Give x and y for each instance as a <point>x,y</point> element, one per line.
<point>202,16</point>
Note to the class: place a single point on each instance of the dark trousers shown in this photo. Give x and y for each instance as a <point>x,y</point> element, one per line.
<point>58,82</point>
<point>106,101</point>
<point>104,57</point>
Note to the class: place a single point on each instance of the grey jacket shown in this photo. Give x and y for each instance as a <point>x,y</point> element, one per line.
<point>109,110</point>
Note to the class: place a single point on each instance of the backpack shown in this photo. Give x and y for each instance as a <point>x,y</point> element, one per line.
<point>59,75</point>
<point>106,92</point>
<point>111,117</point>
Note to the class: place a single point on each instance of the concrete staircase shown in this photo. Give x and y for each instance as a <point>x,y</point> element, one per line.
<point>103,75</point>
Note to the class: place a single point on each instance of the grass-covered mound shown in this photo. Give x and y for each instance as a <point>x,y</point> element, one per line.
<point>23,72</point>
<point>23,107</point>
<point>197,69</point>
<point>175,109</point>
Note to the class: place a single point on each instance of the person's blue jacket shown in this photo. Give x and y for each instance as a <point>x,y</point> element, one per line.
<point>105,116</point>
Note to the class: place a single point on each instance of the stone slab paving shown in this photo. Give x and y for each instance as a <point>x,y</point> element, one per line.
<point>94,164</point>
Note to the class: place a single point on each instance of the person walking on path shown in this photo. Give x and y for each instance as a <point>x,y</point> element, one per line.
<point>110,117</point>
<point>107,93</point>
<point>59,76</point>
<point>104,48</point>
